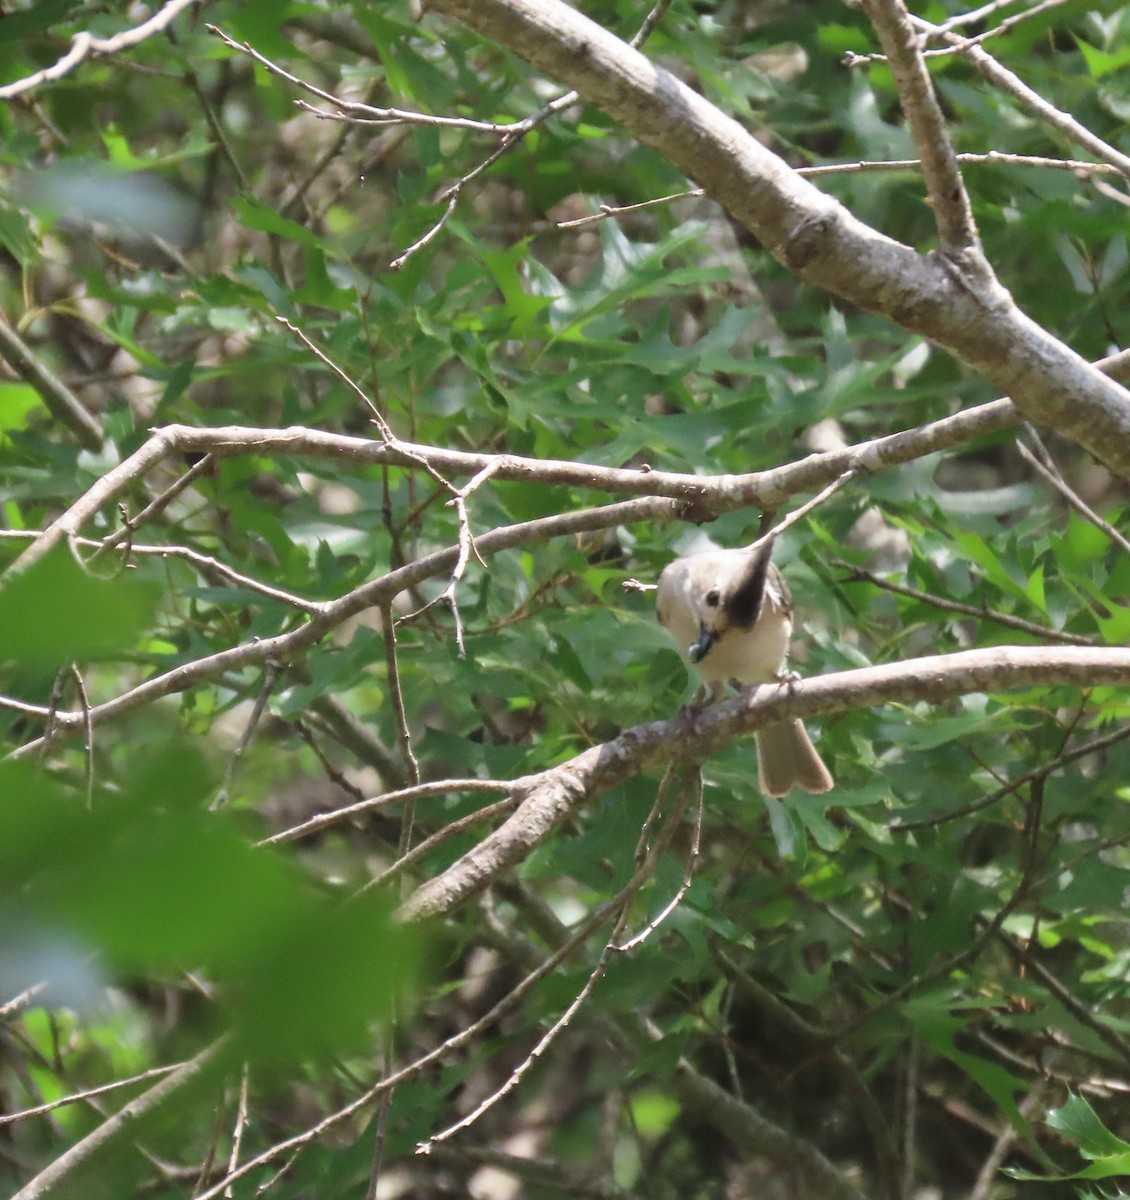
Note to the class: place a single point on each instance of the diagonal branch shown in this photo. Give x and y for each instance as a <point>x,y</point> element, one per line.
<point>944,184</point>
<point>75,1159</point>
<point>811,233</point>
<point>63,404</point>
<point>86,45</point>
<point>549,797</point>
<point>707,496</point>
<point>328,616</point>
<point>1012,85</point>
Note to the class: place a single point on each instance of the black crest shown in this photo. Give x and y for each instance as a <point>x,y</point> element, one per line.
<point>744,606</point>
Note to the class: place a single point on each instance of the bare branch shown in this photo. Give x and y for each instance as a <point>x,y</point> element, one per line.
<point>808,231</point>
<point>88,734</point>
<point>270,677</point>
<point>800,513</point>
<point>965,610</point>
<point>576,937</point>
<point>709,496</point>
<point>373,594</point>
<point>441,787</point>
<point>155,507</point>
<point>73,1160</point>
<point>445,833</point>
<point>62,403</point>
<point>953,212</point>
<point>85,45</point>
<point>991,158</point>
<point>204,563</point>
<point>240,1124</point>
<point>1007,24</point>
<point>549,797</point>
<point>1012,85</point>
<point>87,1094</point>
<point>396,695</point>
<point>353,110</point>
<point>1073,498</point>
<point>452,200</point>
<point>644,870</point>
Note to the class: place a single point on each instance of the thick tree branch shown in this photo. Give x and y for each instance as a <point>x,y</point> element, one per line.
<point>702,496</point>
<point>549,797</point>
<point>811,233</point>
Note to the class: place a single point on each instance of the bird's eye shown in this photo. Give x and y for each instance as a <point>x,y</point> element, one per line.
<point>712,598</point>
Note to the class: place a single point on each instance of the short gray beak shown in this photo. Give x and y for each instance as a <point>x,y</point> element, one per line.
<point>701,648</point>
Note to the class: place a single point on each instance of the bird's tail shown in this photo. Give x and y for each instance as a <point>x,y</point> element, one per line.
<point>787,758</point>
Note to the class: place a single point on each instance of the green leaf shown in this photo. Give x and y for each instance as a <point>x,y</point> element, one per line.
<point>1078,1121</point>
<point>1099,62</point>
<point>55,613</point>
<point>17,402</point>
<point>42,15</point>
<point>255,214</point>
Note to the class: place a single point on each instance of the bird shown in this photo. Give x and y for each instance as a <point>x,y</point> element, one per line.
<point>730,614</point>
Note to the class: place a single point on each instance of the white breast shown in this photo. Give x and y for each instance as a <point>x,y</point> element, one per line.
<point>749,656</point>
<point>754,655</point>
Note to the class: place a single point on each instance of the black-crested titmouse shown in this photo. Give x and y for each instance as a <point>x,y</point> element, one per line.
<point>731,615</point>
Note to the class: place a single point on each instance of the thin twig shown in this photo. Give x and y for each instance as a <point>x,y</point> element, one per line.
<point>332,773</point>
<point>271,671</point>
<point>206,563</point>
<point>1063,759</point>
<point>513,136</point>
<point>1011,84</point>
<point>240,1125</point>
<point>380,1135</point>
<point>86,1094</point>
<point>87,735</point>
<point>800,513</point>
<point>862,575</point>
<point>404,735</point>
<point>353,110</point>
<point>376,593</point>
<point>688,877</point>
<point>465,1036</point>
<point>642,873</point>
<point>910,1116</point>
<point>156,506</point>
<point>417,791</point>
<point>986,1180</point>
<point>1072,497</point>
<point>1008,24</point>
<point>388,438</point>
<point>978,14</point>
<point>466,549</point>
<point>599,970</point>
<point>959,43</point>
<point>358,390</point>
<point>450,830</point>
<point>862,166</point>
<point>60,401</point>
<point>73,1160</point>
<point>953,212</point>
<point>85,45</point>
<point>452,197</point>
<point>21,1000</point>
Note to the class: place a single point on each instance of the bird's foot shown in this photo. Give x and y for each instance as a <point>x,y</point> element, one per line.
<point>788,679</point>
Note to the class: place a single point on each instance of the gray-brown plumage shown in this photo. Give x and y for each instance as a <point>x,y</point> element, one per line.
<point>731,616</point>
